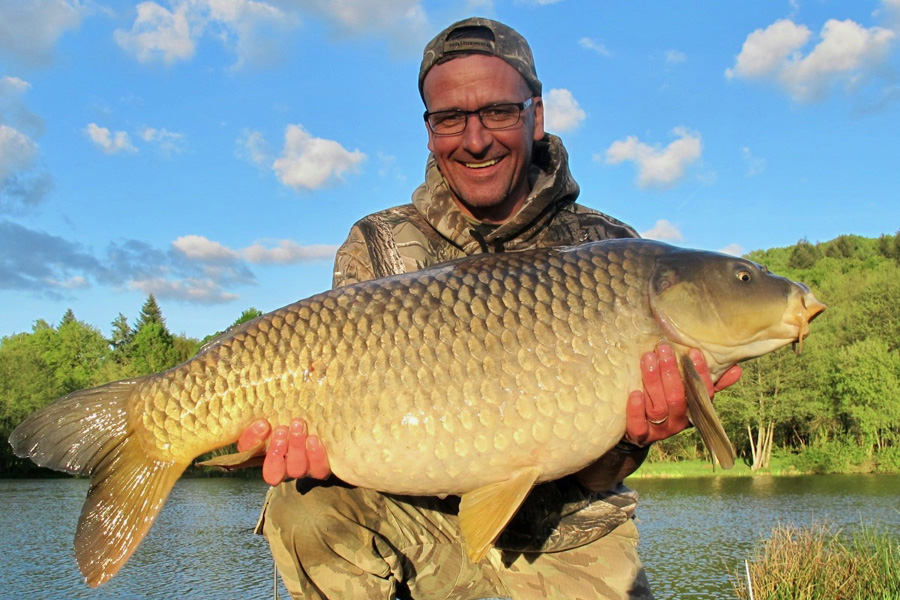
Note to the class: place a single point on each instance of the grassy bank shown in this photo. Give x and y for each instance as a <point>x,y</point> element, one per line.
<point>704,468</point>
<point>821,562</point>
<point>780,465</point>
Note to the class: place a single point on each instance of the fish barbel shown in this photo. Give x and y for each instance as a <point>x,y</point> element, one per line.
<point>479,377</point>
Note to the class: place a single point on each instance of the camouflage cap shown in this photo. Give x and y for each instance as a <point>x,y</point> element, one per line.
<point>481,36</point>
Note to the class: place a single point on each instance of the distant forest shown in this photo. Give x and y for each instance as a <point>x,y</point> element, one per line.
<point>835,407</point>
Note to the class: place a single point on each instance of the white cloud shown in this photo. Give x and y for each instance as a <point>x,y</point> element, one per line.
<point>658,166</point>
<point>846,53</point>
<point>29,29</point>
<point>168,142</point>
<point>23,181</point>
<point>160,34</point>
<point>663,231</point>
<point>401,20</point>
<point>202,249</point>
<point>108,141</point>
<point>561,111</point>
<point>252,147</point>
<point>253,30</point>
<point>595,46</point>
<point>198,247</point>
<point>196,290</point>
<point>310,162</point>
<point>675,57</point>
<point>73,283</point>
<point>755,165</point>
<point>733,250</point>
<point>288,252</point>
<point>17,152</point>
<point>13,110</point>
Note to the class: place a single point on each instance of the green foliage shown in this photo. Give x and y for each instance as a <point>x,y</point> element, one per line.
<point>867,388</point>
<point>804,255</point>
<point>38,367</point>
<point>831,456</point>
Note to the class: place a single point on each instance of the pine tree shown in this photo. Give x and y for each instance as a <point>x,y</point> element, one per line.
<point>152,346</point>
<point>68,317</point>
<point>121,333</point>
<point>150,313</point>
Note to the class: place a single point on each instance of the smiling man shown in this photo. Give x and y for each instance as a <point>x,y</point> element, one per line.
<point>495,181</point>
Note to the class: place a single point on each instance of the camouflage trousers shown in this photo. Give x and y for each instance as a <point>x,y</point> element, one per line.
<point>334,541</point>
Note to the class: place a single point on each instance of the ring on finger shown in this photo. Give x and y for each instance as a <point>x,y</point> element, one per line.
<point>659,422</point>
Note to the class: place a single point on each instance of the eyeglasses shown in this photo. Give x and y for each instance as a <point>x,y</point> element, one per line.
<point>496,116</point>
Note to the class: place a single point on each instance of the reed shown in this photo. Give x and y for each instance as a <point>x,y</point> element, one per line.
<point>821,562</point>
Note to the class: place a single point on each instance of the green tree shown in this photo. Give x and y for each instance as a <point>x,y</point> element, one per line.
<point>151,347</point>
<point>867,391</point>
<point>76,355</point>
<point>150,313</point>
<point>803,256</point>
<point>25,386</point>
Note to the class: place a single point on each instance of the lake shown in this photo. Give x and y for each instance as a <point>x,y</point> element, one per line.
<point>694,531</point>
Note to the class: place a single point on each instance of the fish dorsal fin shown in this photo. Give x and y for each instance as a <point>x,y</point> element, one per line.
<point>483,513</point>
<point>703,415</point>
<point>237,460</point>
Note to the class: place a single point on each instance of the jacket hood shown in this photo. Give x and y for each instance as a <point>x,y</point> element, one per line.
<point>552,186</point>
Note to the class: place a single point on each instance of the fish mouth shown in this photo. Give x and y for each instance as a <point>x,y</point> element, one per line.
<point>807,308</point>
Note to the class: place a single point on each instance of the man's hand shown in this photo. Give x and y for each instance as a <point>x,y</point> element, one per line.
<point>654,414</point>
<point>660,410</point>
<point>292,452</point>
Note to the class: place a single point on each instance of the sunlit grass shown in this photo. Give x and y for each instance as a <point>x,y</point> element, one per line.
<point>821,562</point>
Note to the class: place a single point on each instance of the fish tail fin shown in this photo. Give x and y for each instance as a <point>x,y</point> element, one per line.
<point>89,433</point>
<point>703,415</point>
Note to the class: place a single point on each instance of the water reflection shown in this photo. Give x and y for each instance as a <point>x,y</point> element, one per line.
<point>693,532</point>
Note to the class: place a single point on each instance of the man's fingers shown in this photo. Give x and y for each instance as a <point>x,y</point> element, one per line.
<point>274,467</point>
<point>254,434</point>
<point>297,463</point>
<point>673,386</point>
<point>319,468</point>
<point>702,370</point>
<point>654,402</point>
<point>729,377</point>
<point>636,427</point>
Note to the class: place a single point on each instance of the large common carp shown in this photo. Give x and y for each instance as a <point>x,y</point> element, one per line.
<point>478,377</point>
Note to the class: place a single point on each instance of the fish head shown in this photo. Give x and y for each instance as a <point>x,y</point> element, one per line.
<point>730,308</point>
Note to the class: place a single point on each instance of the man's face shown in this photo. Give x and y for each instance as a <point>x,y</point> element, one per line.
<point>487,170</point>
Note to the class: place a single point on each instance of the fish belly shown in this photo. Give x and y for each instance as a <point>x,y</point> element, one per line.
<point>433,382</point>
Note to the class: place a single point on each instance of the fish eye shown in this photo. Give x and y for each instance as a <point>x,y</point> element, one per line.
<point>743,275</point>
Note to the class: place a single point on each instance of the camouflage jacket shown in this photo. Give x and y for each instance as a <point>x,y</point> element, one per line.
<point>431,230</point>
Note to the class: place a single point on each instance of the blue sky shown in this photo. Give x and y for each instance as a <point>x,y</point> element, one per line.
<point>216,152</point>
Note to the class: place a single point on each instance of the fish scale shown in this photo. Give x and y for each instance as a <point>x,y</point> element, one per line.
<point>479,377</point>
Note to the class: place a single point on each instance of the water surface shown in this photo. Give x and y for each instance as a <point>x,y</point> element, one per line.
<point>202,547</point>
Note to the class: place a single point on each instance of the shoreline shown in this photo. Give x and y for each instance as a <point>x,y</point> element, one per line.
<point>704,468</point>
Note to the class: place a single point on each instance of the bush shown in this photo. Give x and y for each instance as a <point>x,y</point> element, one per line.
<point>887,460</point>
<point>833,456</point>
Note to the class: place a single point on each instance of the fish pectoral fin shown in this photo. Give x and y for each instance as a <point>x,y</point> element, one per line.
<point>238,460</point>
<point>703,415</point>
<point>483,513</point>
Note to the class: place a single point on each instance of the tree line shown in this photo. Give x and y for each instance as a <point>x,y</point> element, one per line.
<point>833,407</point>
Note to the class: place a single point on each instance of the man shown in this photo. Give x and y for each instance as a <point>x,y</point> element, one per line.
<point>495,182</point>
